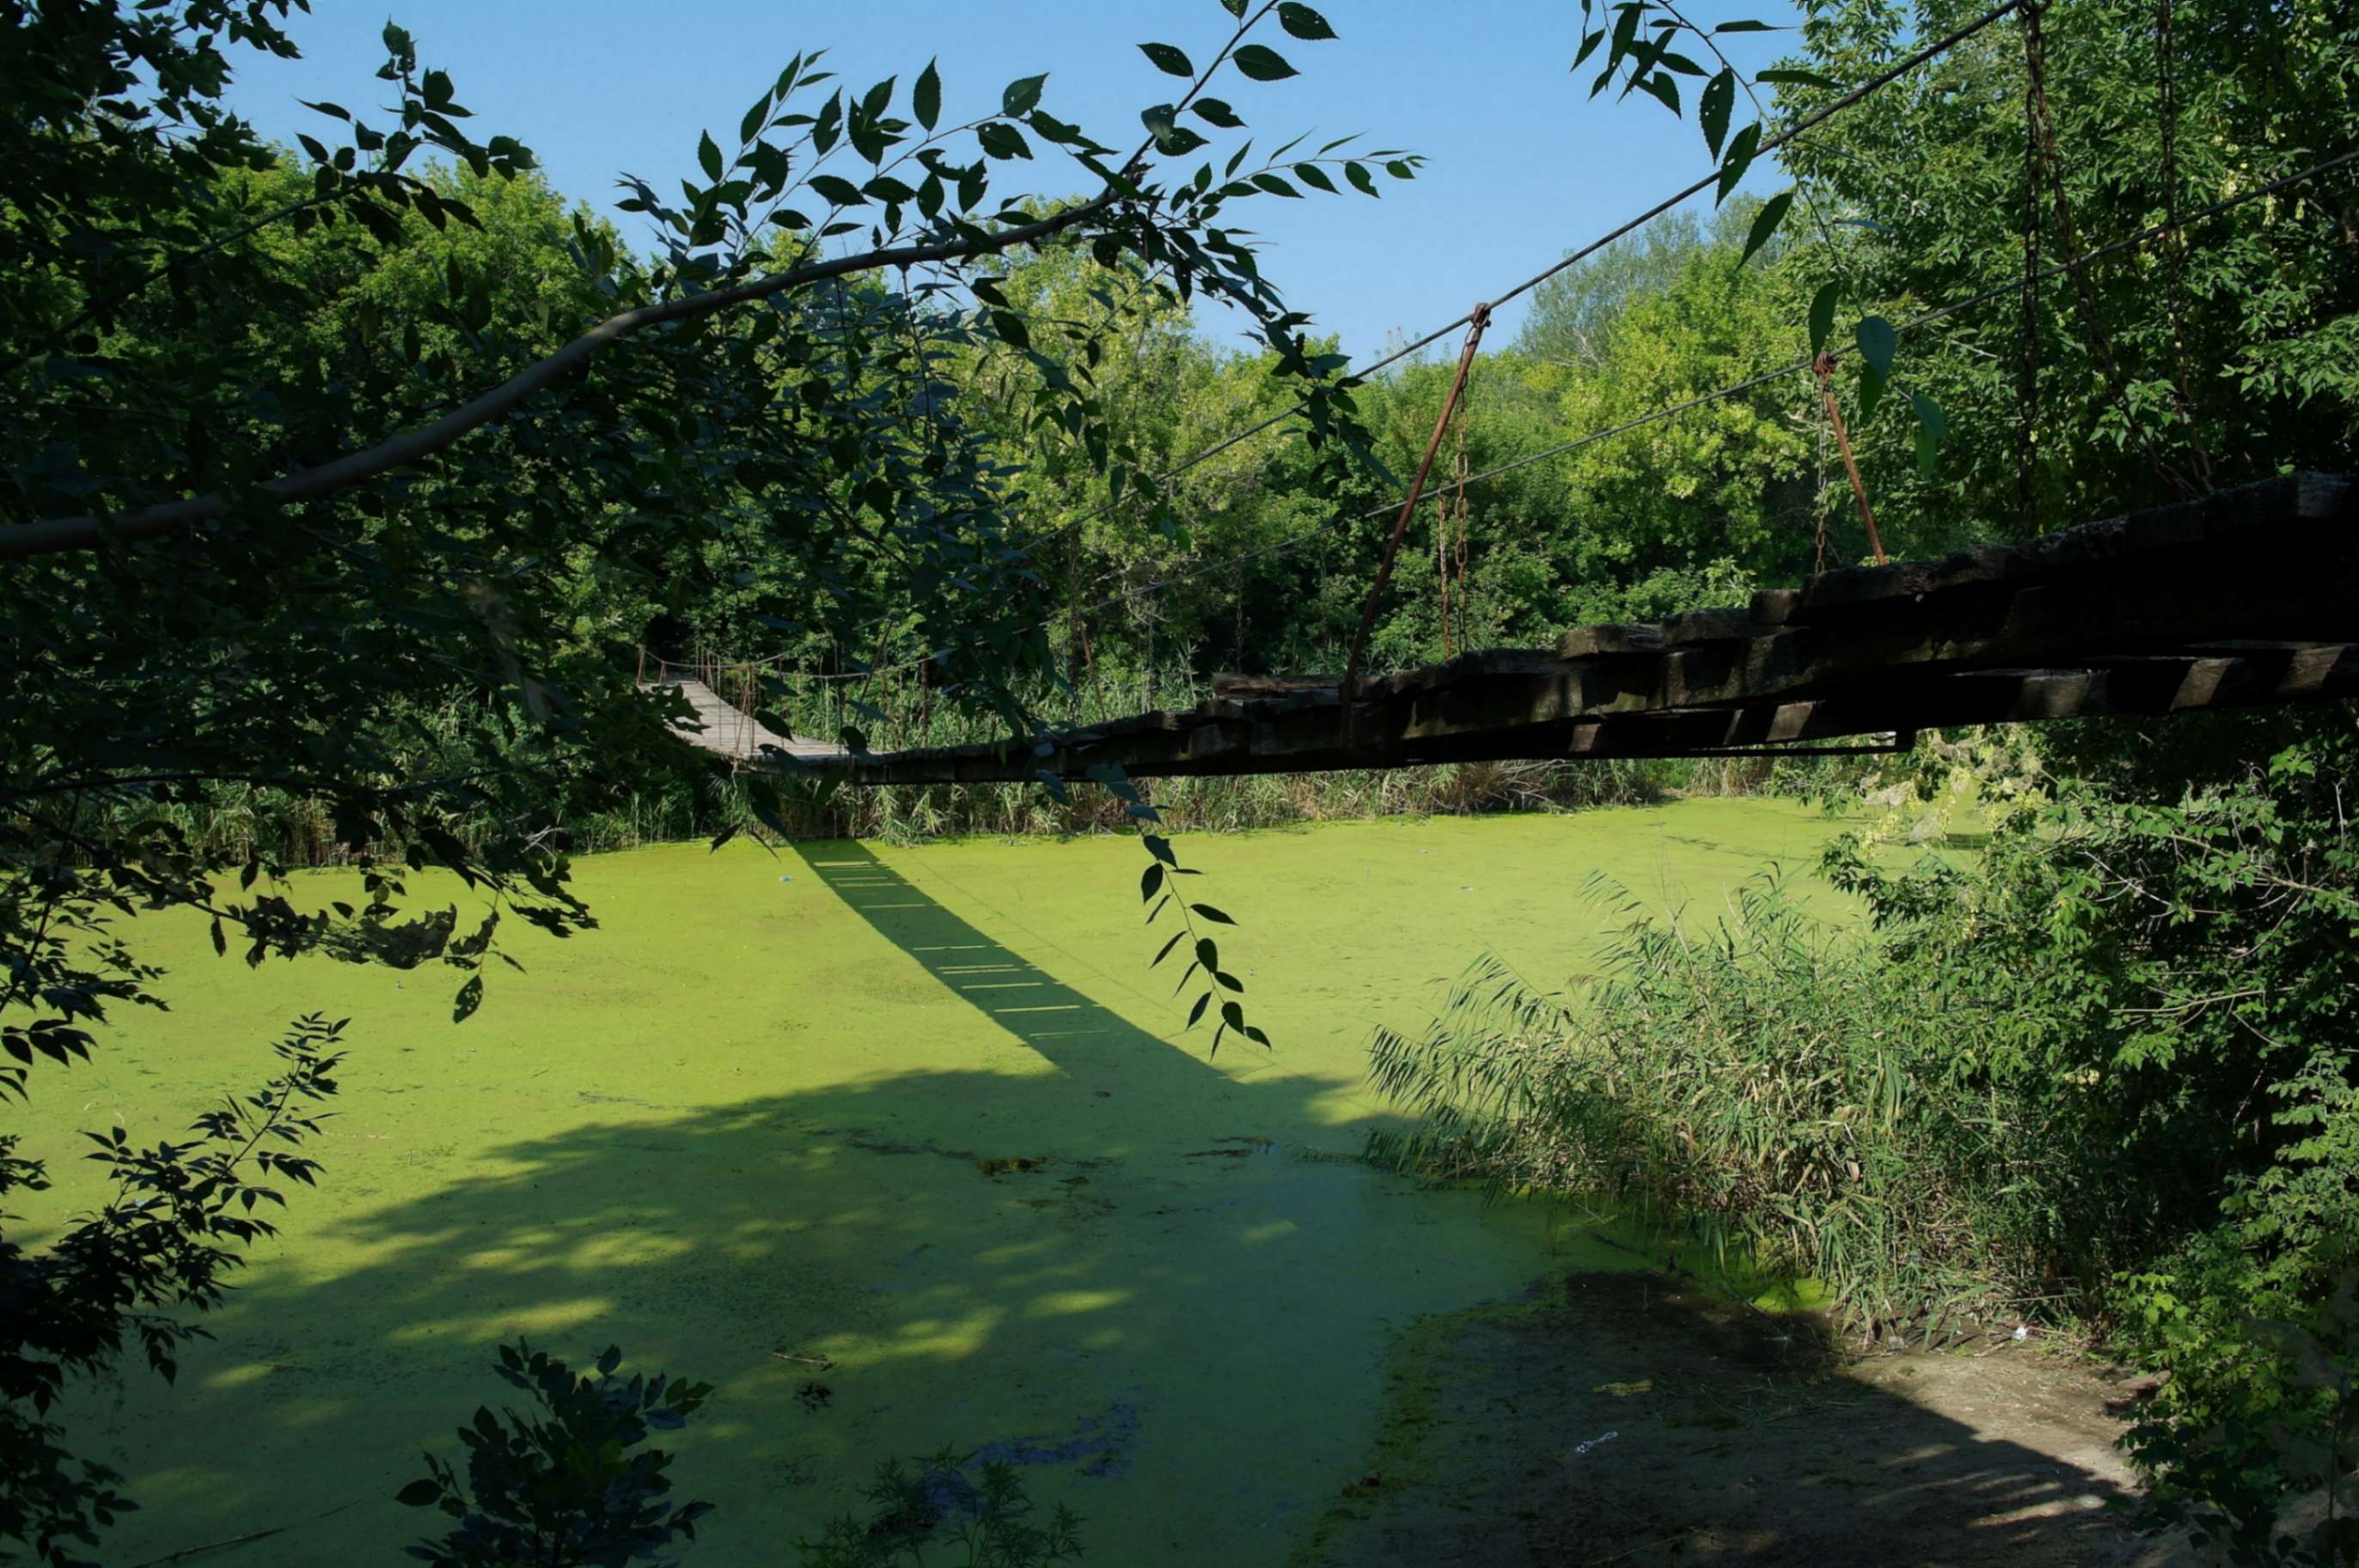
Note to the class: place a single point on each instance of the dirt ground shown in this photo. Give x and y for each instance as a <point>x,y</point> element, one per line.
<point>1636,1420</point>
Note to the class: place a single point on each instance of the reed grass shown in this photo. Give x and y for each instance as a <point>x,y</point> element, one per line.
<point>1765,1085</point>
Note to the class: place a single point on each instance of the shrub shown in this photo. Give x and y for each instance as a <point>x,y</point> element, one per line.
<point>571,1486</point>
<point>1762,1082</point>
<point>935,1513</point>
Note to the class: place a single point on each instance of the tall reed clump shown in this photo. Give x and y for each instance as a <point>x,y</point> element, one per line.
<point>1765,1083</point>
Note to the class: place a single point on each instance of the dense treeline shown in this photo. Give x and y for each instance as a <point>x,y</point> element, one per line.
<point>2206,358</point>
<point>1135,600</point>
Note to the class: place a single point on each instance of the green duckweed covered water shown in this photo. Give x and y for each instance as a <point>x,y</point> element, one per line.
<point>922,1112</point>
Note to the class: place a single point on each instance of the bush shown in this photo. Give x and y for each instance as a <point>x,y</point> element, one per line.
<point>1771,1087</point>
<point>563,1489</point>
<point>935,1513</point>
<point>2103,1070</point>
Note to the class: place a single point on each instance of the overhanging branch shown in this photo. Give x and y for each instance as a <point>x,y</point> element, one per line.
<point>53,534</point>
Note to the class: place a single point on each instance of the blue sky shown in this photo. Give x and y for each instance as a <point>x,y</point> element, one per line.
<point>1522,165</point>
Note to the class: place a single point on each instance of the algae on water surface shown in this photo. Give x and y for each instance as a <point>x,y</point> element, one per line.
<point>923,1114</point>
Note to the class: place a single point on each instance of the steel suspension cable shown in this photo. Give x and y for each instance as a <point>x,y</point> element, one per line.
<point>1717,395</point>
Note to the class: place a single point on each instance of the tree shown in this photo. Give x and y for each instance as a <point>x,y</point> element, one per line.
<point>340,552</point>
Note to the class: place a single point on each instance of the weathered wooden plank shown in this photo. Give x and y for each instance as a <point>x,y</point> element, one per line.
<point>2243,515</point>
<point>2151,688</point>
<point>727,731</point>
<point>1623,638</point>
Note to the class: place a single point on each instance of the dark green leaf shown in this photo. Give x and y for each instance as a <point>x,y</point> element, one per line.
<point>1822,316</point>
<point>1219,114</point>
<point>1625,33</point>
<point>417,1494</point>
<point>1794,78</point>
<point>1214,915</point>
<point>1711,109</point>
<point>1197,1012</point>
<point>1168,60</point>
<point>1932,429</point>
<point>1022,95</point>
<point>926,97</point>
<point>708,157</point>
<point>1001,141</point>
<point>1170,139</point>
<point>1739,158</point>
<point>1765,223</point>
<point>1264,64</point>
<point>1166,951</point>
<point>1303,21</point>
<point>1150,879</point>
<point>1878,342</point>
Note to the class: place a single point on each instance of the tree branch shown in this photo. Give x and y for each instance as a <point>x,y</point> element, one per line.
<point>53,534</point>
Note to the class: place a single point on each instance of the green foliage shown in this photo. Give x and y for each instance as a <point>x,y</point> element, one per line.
<point>568,1486</point>
<point>935,1513</point>
<point>2222,343</point>
<point>176,1226</point>
<point>268,606</point>
<point>1639,40</point>
<point>272,542</point>
<point>2102,1070</point>
<point>2256,1434</point>
<point>2154,964</point>
<point>1772,1091</point>
<point>1572,311</point>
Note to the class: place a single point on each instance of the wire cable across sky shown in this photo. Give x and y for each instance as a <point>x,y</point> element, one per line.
<point>2130,241</point>
<point>1574,258</point>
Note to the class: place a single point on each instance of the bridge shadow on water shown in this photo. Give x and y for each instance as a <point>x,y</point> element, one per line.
<point>1078,1247</point>
<point>1067,1027</point>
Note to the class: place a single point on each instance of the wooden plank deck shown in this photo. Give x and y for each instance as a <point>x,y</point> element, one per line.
<point>2248,597</point>
<point>727,731</point>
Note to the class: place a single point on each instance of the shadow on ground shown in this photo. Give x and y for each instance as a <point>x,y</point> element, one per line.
<point>1634,1419</point>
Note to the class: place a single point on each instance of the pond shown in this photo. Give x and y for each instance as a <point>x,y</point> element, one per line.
<point>921,1118</point>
